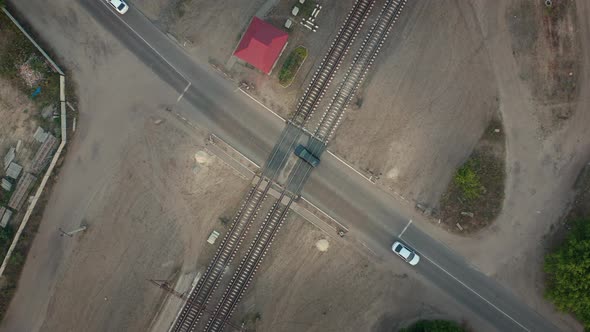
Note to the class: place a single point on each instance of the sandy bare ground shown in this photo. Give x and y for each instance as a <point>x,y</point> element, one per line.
<point>425,104</point>
<point>447,67</point>
<point>339,289</point>
<point>18,123</point>
<point>155,212</point>
<point>149,232</point>
<point>541,165</point>
<point>132,182</point>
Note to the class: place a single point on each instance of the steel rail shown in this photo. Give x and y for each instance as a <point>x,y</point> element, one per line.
<point>331,61</point>
<point>363,60</point>
<point>253,258</point>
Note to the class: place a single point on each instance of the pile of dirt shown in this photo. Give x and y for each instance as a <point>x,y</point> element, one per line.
<point>322,245</point>
<point>475,194</point>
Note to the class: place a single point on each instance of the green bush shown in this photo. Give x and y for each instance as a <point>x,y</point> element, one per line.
<point>6,235</point>
<point>307,8</point>
<point>434,326</point>
<point>568,270</point>
<point>468,181</point>
<point>291,65</point>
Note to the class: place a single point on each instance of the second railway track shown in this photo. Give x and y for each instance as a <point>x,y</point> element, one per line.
<point>358,69</point>
<point>256,252</point>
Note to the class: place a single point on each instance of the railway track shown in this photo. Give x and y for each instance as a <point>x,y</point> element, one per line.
<point>248,266</point>
<point>207,284</point>
<point>352,80</point>
<point>254,256</point>
<point>331,62</point>
<point>358,69</point>
<point>194,307</point>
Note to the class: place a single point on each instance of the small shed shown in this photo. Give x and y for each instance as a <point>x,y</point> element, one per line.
<point>261,45</point>
<point>9,157</point>
<point>5,184</point>
<point>213,237</point>
<point>14,170</point>
<point>5,216</point>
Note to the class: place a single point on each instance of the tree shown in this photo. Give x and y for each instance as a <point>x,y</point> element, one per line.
<point>568,270</point>
<point>434,326</point>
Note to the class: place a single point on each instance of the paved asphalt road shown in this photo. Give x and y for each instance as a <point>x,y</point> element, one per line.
<point>372,216</point>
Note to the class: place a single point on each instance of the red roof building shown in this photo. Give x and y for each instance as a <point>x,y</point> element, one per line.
<point>261,45</point>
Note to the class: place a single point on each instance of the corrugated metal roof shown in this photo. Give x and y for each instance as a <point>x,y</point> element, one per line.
<point>14,170</point>
<point>4,219</point>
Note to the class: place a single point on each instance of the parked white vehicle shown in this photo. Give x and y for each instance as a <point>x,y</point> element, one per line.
<point>405,253</point>
<point>119,6</point>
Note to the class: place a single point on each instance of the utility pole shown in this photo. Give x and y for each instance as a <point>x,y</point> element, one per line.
<point>72,232</point>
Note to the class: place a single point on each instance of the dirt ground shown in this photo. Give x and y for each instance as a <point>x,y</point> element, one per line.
<point>547,49</point>
<point>446,69</point>
<point>446,81</point>
<point>155,211</point>
<point>149,208</point>
<point>19,122</point>
<point>134,183</point>
<point>338,289</point>
<point>424,105</point>
<point>541,165</point>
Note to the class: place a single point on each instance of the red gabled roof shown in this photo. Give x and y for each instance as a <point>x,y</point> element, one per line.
<point>261,45</point>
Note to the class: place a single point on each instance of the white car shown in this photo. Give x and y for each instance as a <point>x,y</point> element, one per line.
<point>119,6</point>
<point>405,253</point>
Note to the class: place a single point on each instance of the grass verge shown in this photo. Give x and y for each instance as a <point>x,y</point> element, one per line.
<point>474,197</point>
<point>291,65</point>
<point>25,68</point>
<point>307,8</point>
<point>437,325</point>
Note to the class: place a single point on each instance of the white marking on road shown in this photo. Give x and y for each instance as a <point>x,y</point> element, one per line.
<point>474,292</point>
<point>183,92</point>
<point>261,104</point>
<point>404,230</point>
<point>145,41</point>
<point>349,166</point>
<point>371,250</point>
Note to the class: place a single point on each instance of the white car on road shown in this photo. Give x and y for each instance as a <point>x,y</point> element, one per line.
<point>405,253</point>
<point>119,6</point>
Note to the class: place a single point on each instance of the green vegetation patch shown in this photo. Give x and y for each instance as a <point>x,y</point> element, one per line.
<point>6,235</point>
<point>467,180</point>
<point>307,8</point>
<point>291,65</point>
<point>434,326</point>
<point>567,266</point>
<point>568,272</point>
<point>24,67</point>
<point>475,195</point>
